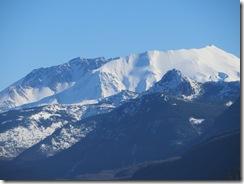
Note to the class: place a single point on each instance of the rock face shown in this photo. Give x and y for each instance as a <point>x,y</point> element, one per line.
<point>175,84</point>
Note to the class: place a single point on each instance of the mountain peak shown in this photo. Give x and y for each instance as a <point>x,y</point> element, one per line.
<point>89,63</point>
<point>211,46</point>
<point>173,78</point>
<point>173,72</point>
<point>175,83</point>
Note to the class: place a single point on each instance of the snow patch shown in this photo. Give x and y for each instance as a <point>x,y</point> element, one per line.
<point>195,120</point>
<point>229,103</point>
<point>23,137</point>
<point>67,137</point>
<point>4,122</point>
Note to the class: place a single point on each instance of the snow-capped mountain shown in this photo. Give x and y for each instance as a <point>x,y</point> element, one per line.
<point>83,81</point>
<point>176,84</point>
<point>90,115</point>
<point>44,82</point>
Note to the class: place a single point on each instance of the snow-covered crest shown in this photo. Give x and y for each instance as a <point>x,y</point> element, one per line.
<point>90,79</point>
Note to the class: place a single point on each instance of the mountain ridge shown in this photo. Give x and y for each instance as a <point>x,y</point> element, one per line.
<point>90,79</point>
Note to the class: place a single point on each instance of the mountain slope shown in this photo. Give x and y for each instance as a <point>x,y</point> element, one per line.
<point>21,129</point>
<point>215,157</point>
<point>86,80</point>
<point>19,123</point>
<point>151,127</point>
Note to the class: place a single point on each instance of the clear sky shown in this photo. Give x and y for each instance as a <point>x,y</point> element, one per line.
<point>42,33</point>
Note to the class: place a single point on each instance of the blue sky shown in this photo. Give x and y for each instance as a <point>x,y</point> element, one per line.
<point>42,33</point>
